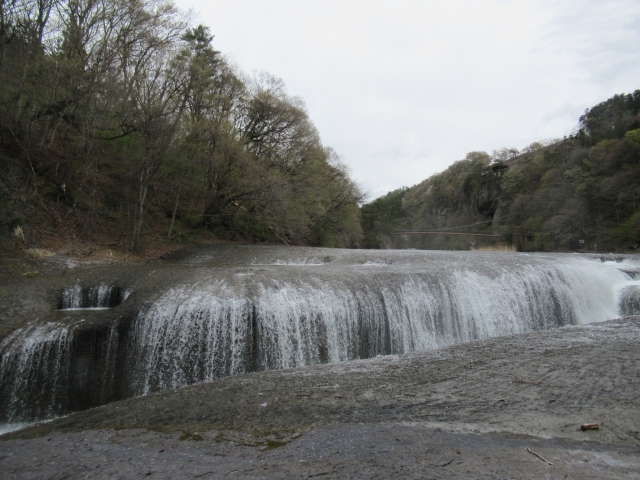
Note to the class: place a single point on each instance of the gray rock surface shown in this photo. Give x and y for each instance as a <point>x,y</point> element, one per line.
<point>389,417</point>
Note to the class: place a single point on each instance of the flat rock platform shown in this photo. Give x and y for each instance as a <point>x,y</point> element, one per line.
<point>508,407</point>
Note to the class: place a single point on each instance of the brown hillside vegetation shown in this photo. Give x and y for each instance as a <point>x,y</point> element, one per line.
<point>121,125</point>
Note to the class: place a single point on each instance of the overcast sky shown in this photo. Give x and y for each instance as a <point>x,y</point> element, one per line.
<point>401,89</point>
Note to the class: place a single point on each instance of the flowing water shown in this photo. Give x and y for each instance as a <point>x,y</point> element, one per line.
<point>221,311</point>
<point>98,297</point>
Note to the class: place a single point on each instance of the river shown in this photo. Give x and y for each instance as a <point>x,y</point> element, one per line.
<point>111,333</point>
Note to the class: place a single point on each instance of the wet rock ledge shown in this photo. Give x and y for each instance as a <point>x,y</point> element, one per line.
<point>471,409</point>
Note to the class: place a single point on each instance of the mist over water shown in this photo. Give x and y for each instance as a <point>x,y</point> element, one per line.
<point>273,309</point>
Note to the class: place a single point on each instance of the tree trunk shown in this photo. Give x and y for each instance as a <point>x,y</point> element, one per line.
<point>173,214</point>
<point>142,197</point>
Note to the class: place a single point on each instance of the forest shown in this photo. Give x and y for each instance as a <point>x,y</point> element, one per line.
<point>121,124</point>
<point>581,192</point>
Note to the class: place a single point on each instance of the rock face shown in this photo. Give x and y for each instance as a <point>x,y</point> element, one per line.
<point>469,410</point>
<point>117,332</point>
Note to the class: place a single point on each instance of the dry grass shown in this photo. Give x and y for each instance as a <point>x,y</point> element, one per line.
<point>39,253</point>
<point>18,233</point>
<point>498,247</point>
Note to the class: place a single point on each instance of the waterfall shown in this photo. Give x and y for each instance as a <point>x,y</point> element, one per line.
<point>213,329</point>
<point>51,369</point>
<point>102,296</point>
<point>34,370</point>
<point>274,313</point>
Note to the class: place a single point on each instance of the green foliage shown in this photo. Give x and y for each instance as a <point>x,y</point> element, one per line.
<point>633,137</point>
<point>552,196</point>
<point>610,119</point>
<point>123,116</point>
<point>467,193</point>
<point>381,217</point>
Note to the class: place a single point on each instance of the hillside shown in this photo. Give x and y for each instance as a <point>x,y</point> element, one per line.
<point>581,192</point>
<point>123,130</point>
<point>122,126</point>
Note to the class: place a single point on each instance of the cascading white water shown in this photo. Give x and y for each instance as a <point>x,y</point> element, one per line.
<point>34,362</point>
<point>216,328</point>
<point>38,375</point>
<point>278,311</point>
<point>101,296</point>
<point>628,293</point>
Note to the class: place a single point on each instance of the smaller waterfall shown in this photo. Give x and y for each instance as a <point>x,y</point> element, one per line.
<point>108,381</point>
<point>51,369</point>
<point>102,296</point>
<point>627,293</point>
<point>34,371</point>
<point>630,299</point>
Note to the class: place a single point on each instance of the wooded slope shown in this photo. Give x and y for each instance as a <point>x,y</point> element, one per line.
<point>581,192</point>
<point>118,119</point>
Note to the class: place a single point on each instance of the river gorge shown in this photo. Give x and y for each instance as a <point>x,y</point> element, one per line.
<point>97,335</point>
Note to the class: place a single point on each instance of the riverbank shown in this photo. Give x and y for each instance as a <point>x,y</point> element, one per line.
<point>470,409</point>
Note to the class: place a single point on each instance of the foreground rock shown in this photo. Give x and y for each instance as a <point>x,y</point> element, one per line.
<point>470,409</point>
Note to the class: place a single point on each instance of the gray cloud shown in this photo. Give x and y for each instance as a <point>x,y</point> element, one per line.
<point>565,111</point>
<point>402,89</point>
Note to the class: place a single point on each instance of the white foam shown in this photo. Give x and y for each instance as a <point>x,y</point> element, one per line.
<point>205,330</point>
<point>231,322</point>
<point>12,427</point>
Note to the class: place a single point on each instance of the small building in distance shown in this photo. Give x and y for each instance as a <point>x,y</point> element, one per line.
<point>497,170</point>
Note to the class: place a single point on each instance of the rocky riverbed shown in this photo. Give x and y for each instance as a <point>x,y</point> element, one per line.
<point>508,407</point>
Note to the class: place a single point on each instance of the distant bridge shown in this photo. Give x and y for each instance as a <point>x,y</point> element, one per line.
<point>436,232</point>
